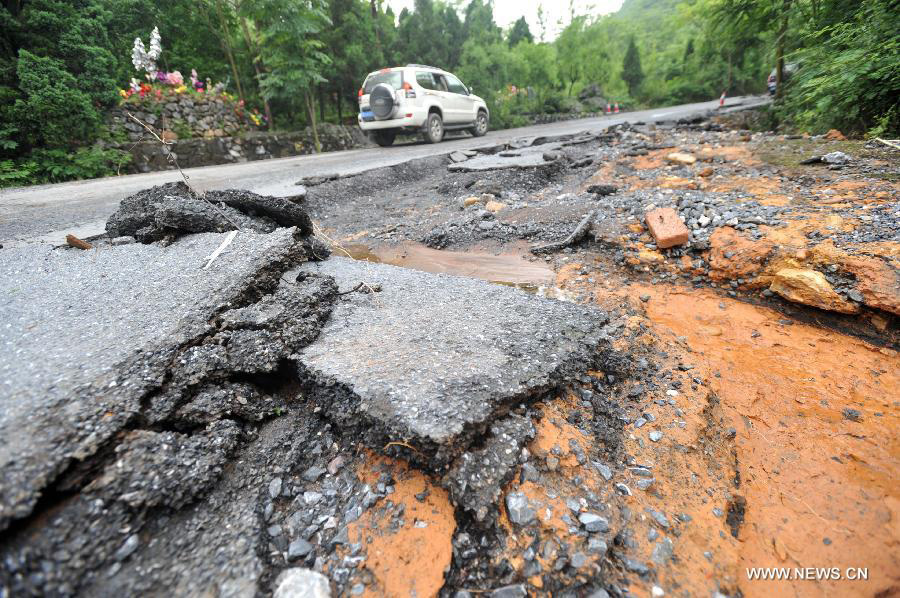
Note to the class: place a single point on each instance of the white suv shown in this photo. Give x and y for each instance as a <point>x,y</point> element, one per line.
<point>418,99</point>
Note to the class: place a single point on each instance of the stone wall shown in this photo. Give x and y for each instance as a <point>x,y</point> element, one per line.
<point>182,116</point>
<point>150,156</point>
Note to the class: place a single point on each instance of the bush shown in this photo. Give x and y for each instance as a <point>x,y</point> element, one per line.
<point>55,113</point>
<point>849,76</point>
<point>58,165</point>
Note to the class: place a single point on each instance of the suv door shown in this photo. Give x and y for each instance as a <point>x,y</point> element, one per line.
<point>460,101</point>
<point>432,88</point>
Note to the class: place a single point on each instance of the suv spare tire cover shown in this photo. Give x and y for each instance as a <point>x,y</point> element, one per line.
<point>381,101</point>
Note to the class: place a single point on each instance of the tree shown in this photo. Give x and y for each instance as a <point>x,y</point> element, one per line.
<point>290,51</point>
<point>56,73</point>
<point>520,32</point>
<point>571,51</point>
<point>632,73</point>
<point>479,23</point>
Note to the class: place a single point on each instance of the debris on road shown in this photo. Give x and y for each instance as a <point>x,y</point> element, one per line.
<point>835,158</point>
<point>77,243</point>
<point>593,417</point>
<point>580,233</point>
<point>666,227</point>
<point>681,158</point>
<point>172,210</point>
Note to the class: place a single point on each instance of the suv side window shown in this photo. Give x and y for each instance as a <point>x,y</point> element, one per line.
<point>455,86</point>
<point>426,80</point>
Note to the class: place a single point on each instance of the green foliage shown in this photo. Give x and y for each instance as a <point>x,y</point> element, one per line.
<point>520,33</point>
<point>57,165</point>
<point>632,73</point>
<point>289,46</point>
<point>849,75</point>
<point>53,112</point>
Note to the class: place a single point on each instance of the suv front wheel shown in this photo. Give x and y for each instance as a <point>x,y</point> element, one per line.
<point>385,138</point>
<point>434,128</point>
<point>481,124</point>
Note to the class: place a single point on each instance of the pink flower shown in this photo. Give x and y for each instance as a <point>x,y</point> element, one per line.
<point>174,78</point>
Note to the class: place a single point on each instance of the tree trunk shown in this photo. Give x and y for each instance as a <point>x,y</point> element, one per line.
<point>226,45</point>
<point>321,104</point>
<point>375,24</point>
<point>779,48</point>
<point>339,106</point>
<point>728,84</point>
<point>254,55</point>
<point>311,109</point>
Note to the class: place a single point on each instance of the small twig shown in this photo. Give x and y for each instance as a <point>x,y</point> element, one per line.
<point>119,164</point>
<point>77,243</point>
<point>398,443</point>
<point>174,160</point>
<point>353,290</point>
<point>318,231</point>
<point>888,143</point>
<point>225,243</point>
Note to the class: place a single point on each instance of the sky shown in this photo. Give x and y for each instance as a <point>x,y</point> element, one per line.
<point>556,12</point>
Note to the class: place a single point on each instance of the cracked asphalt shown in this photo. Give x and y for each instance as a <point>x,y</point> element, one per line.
<point>46,213</point>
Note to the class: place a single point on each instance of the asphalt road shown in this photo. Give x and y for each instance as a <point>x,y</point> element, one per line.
<point>46,213</point>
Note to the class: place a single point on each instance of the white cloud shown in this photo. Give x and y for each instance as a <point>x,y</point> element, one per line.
<point>557,14</point>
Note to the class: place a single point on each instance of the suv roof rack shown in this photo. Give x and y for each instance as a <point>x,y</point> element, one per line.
<point>424,66</point>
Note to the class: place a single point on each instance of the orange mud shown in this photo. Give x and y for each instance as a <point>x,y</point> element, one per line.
<point>408,560</point>
<point>821,489</point>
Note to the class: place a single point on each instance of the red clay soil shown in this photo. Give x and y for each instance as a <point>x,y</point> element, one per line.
<point>819,480</point>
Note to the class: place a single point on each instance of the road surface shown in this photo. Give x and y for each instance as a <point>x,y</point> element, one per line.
<point>46,213</point>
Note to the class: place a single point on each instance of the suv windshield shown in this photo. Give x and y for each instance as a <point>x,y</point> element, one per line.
<point>393,78</point>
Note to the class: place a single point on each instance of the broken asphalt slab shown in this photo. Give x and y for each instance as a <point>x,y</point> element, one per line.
<point>87,336</point>
<point>431,361</point>
<point>525,157</point>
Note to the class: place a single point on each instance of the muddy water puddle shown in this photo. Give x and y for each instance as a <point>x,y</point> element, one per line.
<point>509,269</point>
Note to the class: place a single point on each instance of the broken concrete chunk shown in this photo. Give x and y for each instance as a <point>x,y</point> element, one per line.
<point>518,509</point>
<point>452,364</point>
<point>165,468</point>
<point>602,189</point>
<point>173,209</point>
<point>458,157</point>
<point>681,158</point>
<point>667,228</point>
<point>836,158</point>
<point>810,287</point>
<point>301,583</point>
<point>494,206</point>
<point>477,476</point>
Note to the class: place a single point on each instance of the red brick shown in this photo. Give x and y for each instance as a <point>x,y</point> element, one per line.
<point>667,228</point>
